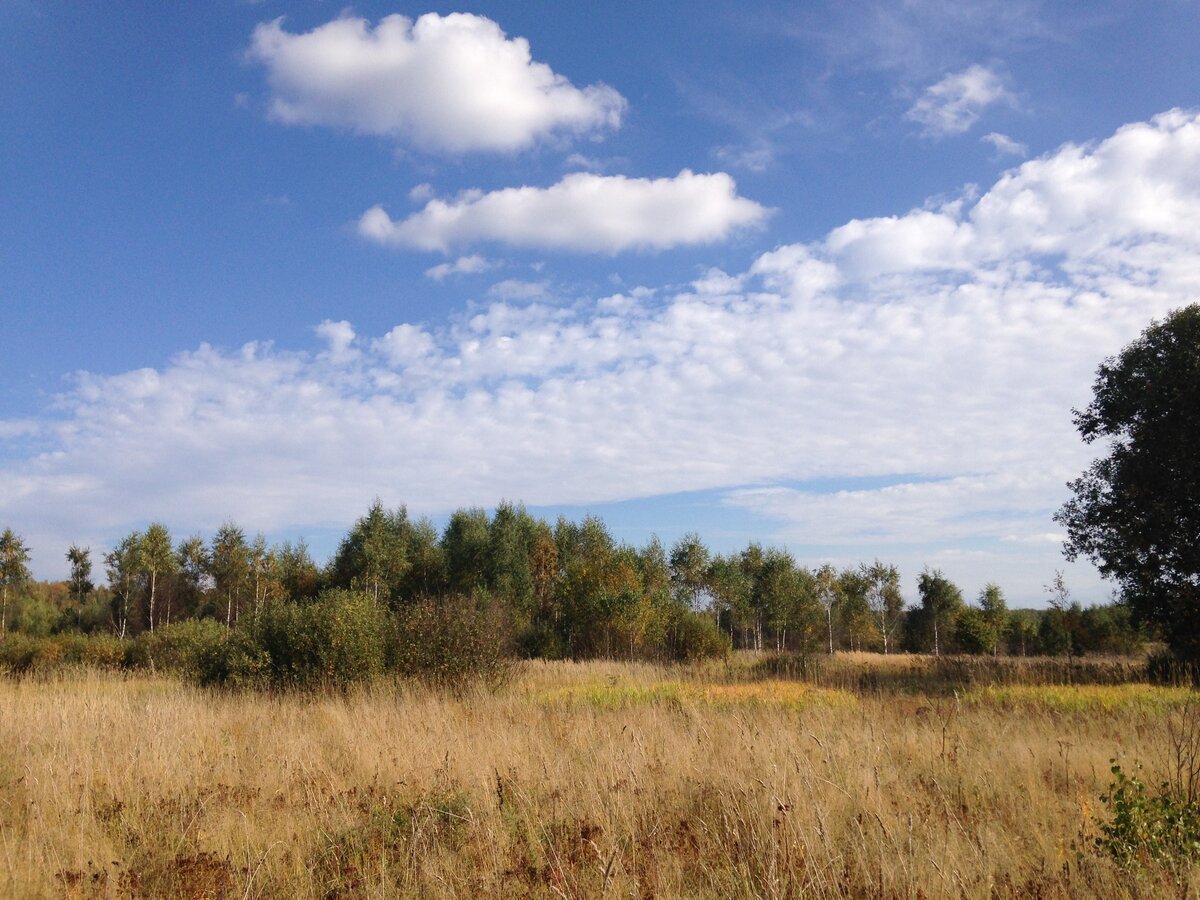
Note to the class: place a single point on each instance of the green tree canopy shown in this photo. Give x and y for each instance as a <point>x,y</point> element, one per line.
<point>122,565</point>
<point>157,558</point>
<point>1135,512</point>
<point>941,604</point>
<point>373,557</point>
<point>14,569</point>
<point>80,580</point>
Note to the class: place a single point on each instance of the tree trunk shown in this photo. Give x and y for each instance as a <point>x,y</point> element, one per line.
<point>153,582</point>
<point>829,619</point>
<point>935,637</point>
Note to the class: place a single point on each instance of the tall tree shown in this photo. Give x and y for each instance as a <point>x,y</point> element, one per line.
<point>729,589</point>
<point>777,591</point>
<point>157,557</point>
<point>511,534</point>
<point>426,562</point>
<point>229,558</point>
<point>855,618</point>
<point>194,566</point>
<point>882,584</point>
<point>689,564</point>
<point>262,562</point>
<point>544,573</point>
<point>14,569</point>
<point>827,596</point>
<point>751,561</point>
<point>467,545</point>
<point>80,559</point>
<point>1135,512</point>
<point>941,603</point>
<point>373,557</point>
<point>995,614</point>
<point>295,571</point>
<point>122,565</point>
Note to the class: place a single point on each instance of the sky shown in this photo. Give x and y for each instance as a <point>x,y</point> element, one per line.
<point>828,276</point>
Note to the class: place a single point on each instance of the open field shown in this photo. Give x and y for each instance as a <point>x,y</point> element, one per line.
<point>577,780</point>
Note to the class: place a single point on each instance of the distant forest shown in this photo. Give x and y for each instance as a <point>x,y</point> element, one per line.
<point>567,590</point>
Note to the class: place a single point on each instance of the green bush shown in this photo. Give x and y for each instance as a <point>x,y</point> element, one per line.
<point>1148,827</point>
<point>235,661</point>
<point>39,618</point>
<point>696,636</point>
<point>179,648</point>
<point>338,639</point>
<point>93,651</point>
<point>19,652</point>
<point>453,643</point>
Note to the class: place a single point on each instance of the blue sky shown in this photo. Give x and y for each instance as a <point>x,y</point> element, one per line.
<point>829,276</point>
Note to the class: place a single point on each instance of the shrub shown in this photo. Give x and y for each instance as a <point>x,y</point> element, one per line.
<point>19,652</point>
<point>235,661</point>
<point>337,640</point>
<point>1162,827</point>
<point>178,648</point>
<point>1148,827</point>
<point>453,643</point>
<point>95,651</point>
<point>39,618</point>
<point>696,636</point>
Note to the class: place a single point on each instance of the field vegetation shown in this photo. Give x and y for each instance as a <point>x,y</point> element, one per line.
<point>513,708</point>
<point>752,776</point>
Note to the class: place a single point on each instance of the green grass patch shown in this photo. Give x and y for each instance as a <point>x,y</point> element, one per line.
<point>619,694</point>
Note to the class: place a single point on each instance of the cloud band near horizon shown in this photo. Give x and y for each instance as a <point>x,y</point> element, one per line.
<point>949,341</point>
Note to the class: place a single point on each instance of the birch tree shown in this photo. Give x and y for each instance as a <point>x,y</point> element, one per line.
<point>883,598</point>
<point>14,570</point>
<point>156,558</point>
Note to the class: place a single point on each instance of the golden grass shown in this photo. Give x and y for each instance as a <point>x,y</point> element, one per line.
<point>688,785</point>
<point>1104,698</point>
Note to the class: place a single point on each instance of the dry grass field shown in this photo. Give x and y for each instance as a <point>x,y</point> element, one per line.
<point>574,780</point>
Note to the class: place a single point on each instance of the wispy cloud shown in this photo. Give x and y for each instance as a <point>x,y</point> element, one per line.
<point>1004,145</point>
<point>954,104</point>
<point>918,38</point>
<point>464,265</point>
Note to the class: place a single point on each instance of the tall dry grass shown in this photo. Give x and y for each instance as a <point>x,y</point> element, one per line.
<point>577,780</point>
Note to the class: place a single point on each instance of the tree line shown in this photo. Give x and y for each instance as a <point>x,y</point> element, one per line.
<point>567,590</point>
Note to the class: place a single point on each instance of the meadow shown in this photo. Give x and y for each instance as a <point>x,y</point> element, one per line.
<point>861,776</point>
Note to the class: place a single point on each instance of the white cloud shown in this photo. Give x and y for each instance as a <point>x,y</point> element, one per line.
<point>516,289</point>
<point>405,346</point>
<point>339,336</point>
<point>1044,537</point>
<point>1004,145</point>
<point>421,192</point>
<point>755,157</point>
<point>949,342</point>
<point>586,163</point>
<point>464,265</point>
<point>15,428</point>
<point>451,83</point>
<point>582,212</point>
<point>955,103</point>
